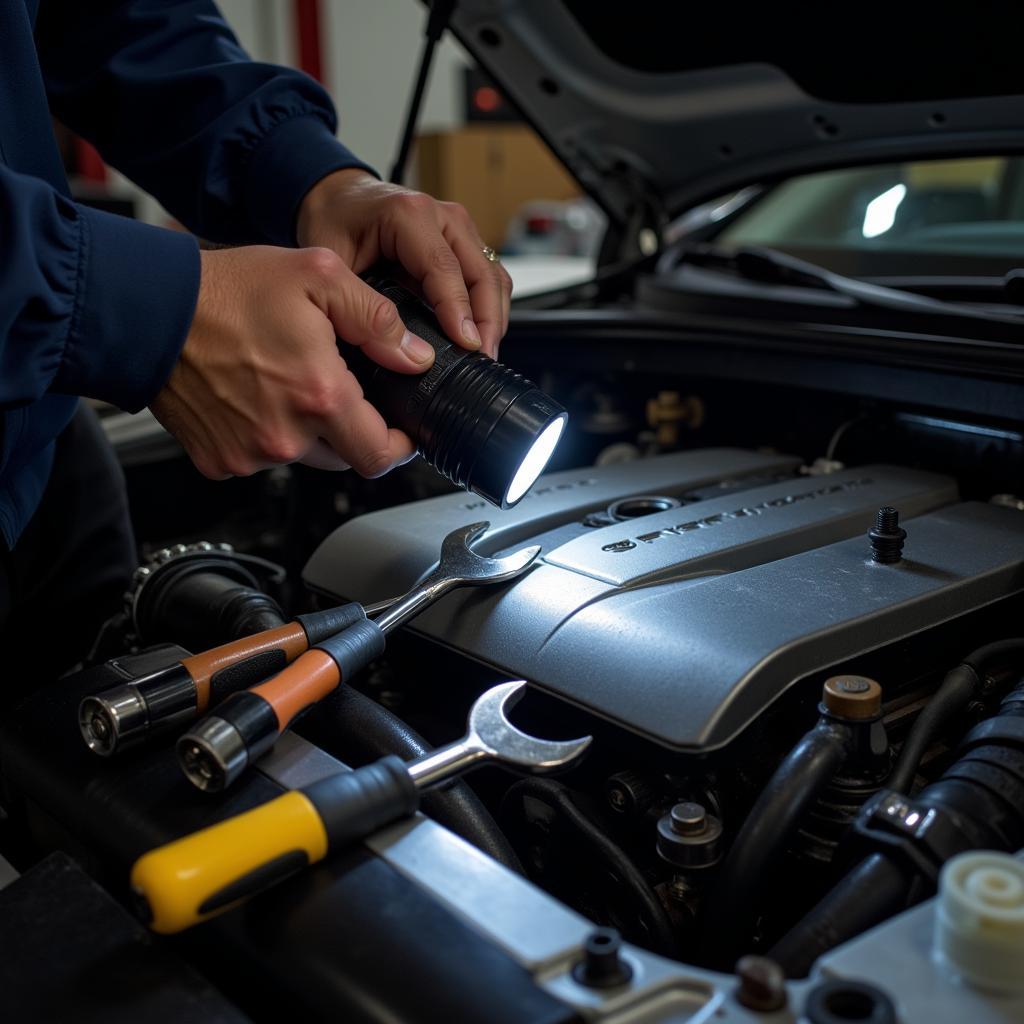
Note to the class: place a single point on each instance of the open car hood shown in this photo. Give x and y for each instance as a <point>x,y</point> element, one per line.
<point>656,107</point>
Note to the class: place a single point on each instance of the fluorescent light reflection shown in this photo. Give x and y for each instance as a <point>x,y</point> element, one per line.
<point>880,214</point>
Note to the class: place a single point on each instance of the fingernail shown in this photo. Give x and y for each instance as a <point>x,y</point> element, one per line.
<point>470,333</point>
<point>416,348</point>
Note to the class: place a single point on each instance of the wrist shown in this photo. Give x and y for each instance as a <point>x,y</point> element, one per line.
<point>325,197</point>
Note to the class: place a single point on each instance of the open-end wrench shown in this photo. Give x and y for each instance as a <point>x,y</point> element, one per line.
<point>198,876</point>
<point>215,751</point>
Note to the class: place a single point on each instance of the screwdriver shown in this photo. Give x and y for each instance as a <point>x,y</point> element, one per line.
<point>217,749</point>
<point>127,714</point>
<point>203,874</point>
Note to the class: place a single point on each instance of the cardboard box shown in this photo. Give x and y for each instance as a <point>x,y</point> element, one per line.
<point>492,169</point>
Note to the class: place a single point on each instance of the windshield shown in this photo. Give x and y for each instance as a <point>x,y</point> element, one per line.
<point>924,218</point>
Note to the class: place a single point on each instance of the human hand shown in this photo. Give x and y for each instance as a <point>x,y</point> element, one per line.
<point>365,220</point>
<point>260,380</point>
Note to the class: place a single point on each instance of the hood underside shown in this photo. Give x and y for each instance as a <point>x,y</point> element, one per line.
<point>658,107</point>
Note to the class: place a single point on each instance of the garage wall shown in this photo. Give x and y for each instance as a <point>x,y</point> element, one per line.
<point>372,52</point>
<point>266,28</point>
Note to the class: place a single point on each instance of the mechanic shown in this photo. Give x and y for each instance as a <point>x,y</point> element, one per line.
<point>233,349</point>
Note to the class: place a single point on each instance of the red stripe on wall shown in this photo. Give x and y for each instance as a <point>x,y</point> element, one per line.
<point>307,34</point>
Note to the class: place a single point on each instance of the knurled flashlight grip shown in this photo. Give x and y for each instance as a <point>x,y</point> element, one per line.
<point>471,418</point>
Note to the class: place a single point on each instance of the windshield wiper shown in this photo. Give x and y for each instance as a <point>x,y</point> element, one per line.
<point>772,266</point>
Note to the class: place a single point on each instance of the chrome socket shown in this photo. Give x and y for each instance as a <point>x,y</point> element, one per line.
<point>115,719</point>
<point>213,754</point>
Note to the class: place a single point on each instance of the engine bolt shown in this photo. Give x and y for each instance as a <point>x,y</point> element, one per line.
<point>689,838</point>
<point>762,984</point>
<point>602,966</point>
<point>688,819</point>
<point>628,793</point>
<point>887,536</point>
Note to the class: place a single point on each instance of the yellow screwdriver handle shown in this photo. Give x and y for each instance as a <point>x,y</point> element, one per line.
<point>203,874</point>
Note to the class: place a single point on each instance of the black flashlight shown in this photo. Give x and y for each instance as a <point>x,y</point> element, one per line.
<point>478,423</point>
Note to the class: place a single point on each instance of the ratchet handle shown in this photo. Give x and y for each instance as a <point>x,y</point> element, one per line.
<point>218,748</point>
<point>234,666</point>
<point>210,871</point>
<point>146,706</point>
<point>318,672</point>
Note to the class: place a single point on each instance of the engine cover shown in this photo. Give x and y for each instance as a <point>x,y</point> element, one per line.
<point>683,625</point>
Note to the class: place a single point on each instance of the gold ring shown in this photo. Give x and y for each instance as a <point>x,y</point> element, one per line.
<point>490,254</point>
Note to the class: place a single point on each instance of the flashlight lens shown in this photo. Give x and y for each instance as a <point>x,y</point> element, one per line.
<point>535,460</point>
<point>478,423</point>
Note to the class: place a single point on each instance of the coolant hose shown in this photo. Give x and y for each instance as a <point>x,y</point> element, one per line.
<point>956,689</point>
<point>872,892</point>
<point>979,804</point>
<point>796,784</point>
<point>357,730</point>
<point>556,796</point>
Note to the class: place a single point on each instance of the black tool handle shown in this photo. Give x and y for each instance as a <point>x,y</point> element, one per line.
<point>353,805</point>
<point>320,625</point>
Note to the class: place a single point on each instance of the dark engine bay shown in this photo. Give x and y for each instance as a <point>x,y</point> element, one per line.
<point>687,609</point>
<point>801,673</point>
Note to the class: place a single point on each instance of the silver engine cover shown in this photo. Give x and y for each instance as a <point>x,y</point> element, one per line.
<point>684,625</point>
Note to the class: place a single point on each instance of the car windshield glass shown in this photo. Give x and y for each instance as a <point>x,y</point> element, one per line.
<point>924,218</point>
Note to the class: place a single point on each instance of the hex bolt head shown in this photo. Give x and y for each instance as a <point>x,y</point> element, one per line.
<point>762,986</point>
<point>602,965</point>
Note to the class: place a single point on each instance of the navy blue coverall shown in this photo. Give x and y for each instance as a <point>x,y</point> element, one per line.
<point>96,305</point>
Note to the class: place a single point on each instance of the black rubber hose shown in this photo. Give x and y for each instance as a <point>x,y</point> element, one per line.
<point>357,730</point>
<point>205,608</point>
<point>871,893</point>
<point>730,909</point>
<point>557,796</point>
<point>956,689</point>
<point>982,796</point>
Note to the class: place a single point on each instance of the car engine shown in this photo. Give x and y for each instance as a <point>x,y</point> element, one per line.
<point>688,608</point>
<point>799,664</point>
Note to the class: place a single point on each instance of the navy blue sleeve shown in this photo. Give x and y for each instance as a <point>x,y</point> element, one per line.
<point>166,93</point>
<point>90,303</point>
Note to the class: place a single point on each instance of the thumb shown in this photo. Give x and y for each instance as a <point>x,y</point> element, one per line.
<point>362,316</point>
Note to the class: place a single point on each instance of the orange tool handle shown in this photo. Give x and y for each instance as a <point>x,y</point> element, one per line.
<point>218,748</point>
<point>234,666</point>
<point>308,679</point>
<point>257,656</point>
